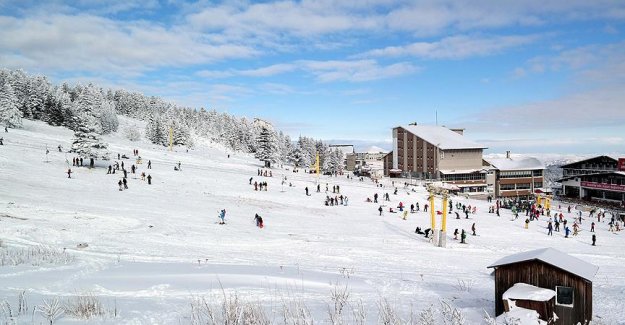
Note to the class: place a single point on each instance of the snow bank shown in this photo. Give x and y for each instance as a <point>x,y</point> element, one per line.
<point>526,291</point>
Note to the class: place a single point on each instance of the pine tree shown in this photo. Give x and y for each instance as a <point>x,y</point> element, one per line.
<point>156,131</point>
<point>268,150</point>
<point>87,142</point>
<point>10,114</point>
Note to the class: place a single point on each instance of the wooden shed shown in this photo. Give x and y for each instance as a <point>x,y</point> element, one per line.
<point>549,268</point>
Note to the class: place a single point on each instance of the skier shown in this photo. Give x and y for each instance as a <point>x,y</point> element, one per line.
<point>318,188</point>
<point>222,216</point>
<point>375,198</point>
<point>125,183</point>
<point>133,168</point>
<point>412,208</point>
<point>594,239</point>
<point>380,209</point>
<point>6,130</point>
<point>473,229</point>
<point>456,234</point>
<point>463,237</point>
<point>425,208</point>
<point>121,185</point>
<point>592,227</point>
<point>405,215</point>
<point>80,161</point>
<point>149,180</point>
<point>259,221</point>
<point>149,164</point>
<point>69,173</point>
<point>527,223</point>
<point>178,165</point>
<point>306,190</point>
<point>557,226</point>
<point>60,148</point>
<point>567,231</point>
<point>550,229</point>
<point>143,176</point>
<point>251,178</point>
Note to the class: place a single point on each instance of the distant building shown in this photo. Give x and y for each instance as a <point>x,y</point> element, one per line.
<point>372,157</point>
<point>437,152</point>
<point>548,268</point>
<point>600,178</point>
<point>517,177</point>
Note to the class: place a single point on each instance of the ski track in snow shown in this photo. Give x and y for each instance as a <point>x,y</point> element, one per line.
<point>151,248</point>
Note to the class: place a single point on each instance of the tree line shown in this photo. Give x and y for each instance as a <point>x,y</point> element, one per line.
<point>92,111</point>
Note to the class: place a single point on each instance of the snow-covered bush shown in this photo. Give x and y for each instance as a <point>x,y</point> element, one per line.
<point>132,133</point>
<point>51,310</point>
<point>86,306</point>
<point>35,256</point>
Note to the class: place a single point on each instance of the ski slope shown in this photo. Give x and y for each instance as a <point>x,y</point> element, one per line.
<point>151,248</point>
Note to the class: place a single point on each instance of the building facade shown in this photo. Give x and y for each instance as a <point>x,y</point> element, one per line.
<point>437,153</point>
<point>600,178</point>
<point>517,177</point>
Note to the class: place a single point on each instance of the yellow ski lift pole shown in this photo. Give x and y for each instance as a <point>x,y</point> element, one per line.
<point>444,221</point>
<point>432,212</point>
<point>171,138</point>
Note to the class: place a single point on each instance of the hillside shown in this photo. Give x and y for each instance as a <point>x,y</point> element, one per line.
<point>153,248</point>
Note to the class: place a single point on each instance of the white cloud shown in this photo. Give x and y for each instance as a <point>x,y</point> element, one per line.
<point>357,70</point>
<point>325,71</point>
<point>454,47</point>
<point>90,43</point>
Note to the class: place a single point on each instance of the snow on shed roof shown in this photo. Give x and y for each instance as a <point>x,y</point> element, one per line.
<point>553,257</point>
<point>442,137</point>
<point>529,163</point>
<point>526,291</point>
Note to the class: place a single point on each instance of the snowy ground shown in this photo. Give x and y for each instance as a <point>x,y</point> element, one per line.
<point>153,247</point>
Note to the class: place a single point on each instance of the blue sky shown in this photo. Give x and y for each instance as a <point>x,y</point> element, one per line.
<point>527,76</point>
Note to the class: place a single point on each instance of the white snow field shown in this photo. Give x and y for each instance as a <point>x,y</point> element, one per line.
<point>152,248</point>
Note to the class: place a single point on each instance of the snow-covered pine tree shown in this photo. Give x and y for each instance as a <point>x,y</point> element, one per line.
<point>87,142</point>
<point>10,115</point>
<point>333,161</point>
<point>156,131</point>
<point>108,117</point>
<point>268,150</point>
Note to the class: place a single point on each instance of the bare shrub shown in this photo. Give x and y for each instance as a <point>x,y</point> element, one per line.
<point>51,310</point>
<point>339,296</point>
<point>387,314</point>
<point>34,255</point>
<point>465,285</point>
<point>296,313</point>
<point>231,311</point>
<point>85,307</point>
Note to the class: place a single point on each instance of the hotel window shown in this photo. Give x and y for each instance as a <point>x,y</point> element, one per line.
<point>523,186</point>
<point>506,187</point>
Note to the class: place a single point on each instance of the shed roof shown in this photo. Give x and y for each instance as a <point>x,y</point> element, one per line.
<point>555,258</point>
<point>442,137</point>
<point>529,163</point>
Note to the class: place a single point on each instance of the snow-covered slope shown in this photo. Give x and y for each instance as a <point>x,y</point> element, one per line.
<point>151,248</point>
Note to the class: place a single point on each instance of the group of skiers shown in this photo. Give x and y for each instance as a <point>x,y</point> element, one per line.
<point>259,186</point>
<point>336,200</point>
<point>264,172</point>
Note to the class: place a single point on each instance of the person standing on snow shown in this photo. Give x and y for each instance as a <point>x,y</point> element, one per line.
<point>380,209</point>
<point>473,229</point>
<point>222,216</point>
<point>149,179</point>
<point>594,239</point>
<point>549,229</point>
<point>463,237</point>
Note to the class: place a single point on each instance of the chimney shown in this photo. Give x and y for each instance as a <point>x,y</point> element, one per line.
<point>508,154</point>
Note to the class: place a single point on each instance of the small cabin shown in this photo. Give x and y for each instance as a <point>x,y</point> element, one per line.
<point>548,268</point>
